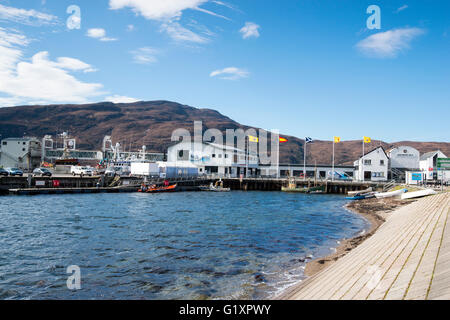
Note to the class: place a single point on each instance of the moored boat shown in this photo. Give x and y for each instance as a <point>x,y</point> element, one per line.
<point>358,196</point>
<point>154,189</point>
<point>354,193</point>
<point>391,194</point>
<point>418,194</point>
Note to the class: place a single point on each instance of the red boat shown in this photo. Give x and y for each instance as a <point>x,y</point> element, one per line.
<point>154,189</point>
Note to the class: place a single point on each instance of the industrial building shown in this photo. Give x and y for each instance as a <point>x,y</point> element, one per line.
<point>22,153</point>
<point>214,159</point>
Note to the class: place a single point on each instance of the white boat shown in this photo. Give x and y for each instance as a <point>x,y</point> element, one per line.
<point>418,194</point>
<point>391,194</point>
<point>360,192</point>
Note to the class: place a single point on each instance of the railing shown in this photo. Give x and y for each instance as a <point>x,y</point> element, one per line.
<point>389,185</point>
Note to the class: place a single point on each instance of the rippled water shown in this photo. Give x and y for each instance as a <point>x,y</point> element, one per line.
<point>166,246</point>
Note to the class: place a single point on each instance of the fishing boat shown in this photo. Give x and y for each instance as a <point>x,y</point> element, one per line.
<point>354,193</point>
<point>391,194</point>
<point>418,194</point>
<point>155,189</point>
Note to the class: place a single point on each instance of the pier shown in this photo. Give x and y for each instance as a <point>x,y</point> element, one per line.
<point>98,184</point>
<point>406,259</point>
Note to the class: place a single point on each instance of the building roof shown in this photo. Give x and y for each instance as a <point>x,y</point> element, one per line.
<point>431,154</point>
<point>380,147</point>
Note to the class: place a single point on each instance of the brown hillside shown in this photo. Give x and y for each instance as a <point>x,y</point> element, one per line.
<point>152,123</point>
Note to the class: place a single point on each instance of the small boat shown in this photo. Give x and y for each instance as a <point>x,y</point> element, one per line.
<point>154,189</point>
<point>391,194</point>
<point>293,188</point>
<point>354,193</point>
<point>219,189</point>
<point>418,194</point>
<point>362,196</point>
<point>214,188</point>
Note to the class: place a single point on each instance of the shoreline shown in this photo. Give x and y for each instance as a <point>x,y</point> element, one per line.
<point>375,211</point>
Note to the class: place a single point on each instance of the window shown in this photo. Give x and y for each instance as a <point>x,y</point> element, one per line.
<point>183,155</point>
<point>23,149</point>
<point>4,143</point>
<point>381,162</point>
<point>367,162</point>
<point>226,155</point>
<point>220,156</point>
<point>214,155</point>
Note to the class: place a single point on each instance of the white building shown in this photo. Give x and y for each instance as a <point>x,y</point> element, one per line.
<point>373,166</point>
<point>22,153</point>
<point>404,157</point>
<point>312,171</point>
<point>215,159</point>
<point>428,164</point>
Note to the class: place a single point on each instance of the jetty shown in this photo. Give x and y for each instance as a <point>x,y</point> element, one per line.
<point>408,258</point>
<point>98,184</point>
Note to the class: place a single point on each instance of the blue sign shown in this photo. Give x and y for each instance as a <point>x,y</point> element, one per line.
<point>417,177</point>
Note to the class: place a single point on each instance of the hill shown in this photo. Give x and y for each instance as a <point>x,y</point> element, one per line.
<point>151,123</point>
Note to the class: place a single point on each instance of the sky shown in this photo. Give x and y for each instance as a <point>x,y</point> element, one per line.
<point>315,68</point>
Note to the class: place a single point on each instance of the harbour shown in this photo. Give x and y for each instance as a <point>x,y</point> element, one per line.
<point>186,245</point>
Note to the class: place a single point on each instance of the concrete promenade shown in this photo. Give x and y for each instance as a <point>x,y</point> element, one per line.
<point>408,258</point>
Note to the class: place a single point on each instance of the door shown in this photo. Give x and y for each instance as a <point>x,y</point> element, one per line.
<point>367,175</point>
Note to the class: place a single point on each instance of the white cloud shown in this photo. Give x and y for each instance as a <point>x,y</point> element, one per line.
<point>130,27</point>
<point>168,13</point>
<point>403,7</point>
<point>231,73</point>
<point>120,99</point>
<point>179,33</point>
<point>99,33</point>
<point>40,79</point>
<point>390,43</point>
<point>27,17</point>
<point>250,30</point>
<point>157,9</point>
<point>145,55</point>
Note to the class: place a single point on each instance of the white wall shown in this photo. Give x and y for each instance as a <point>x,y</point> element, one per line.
<point>209,155</point>
<point>375,167</point>
<point>404,157</point>
<point>20,153</point>
<point>426,164</point>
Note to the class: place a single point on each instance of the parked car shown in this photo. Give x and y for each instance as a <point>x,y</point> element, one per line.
<point>43,172</point>
<point>14,172</point>
<point>3,172</point>
<point>81,171</point>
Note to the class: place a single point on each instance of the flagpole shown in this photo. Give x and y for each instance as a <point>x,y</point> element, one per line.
<point>362,162</point>
<point>304,161</point>
<point>247,155</point>
<point>278,158</point>
<point>332,172</point>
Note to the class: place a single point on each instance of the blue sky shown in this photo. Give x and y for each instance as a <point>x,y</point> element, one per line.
<point>305,67</point>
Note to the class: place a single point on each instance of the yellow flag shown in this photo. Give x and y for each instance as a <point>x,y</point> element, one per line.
<point>367,140</point>
<point>337,139</point>
<point>253,139</point>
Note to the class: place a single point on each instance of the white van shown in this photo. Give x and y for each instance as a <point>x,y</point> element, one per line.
<point>81,171</point>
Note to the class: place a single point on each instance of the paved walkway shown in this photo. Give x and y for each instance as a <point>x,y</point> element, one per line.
<point>407,258</point>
